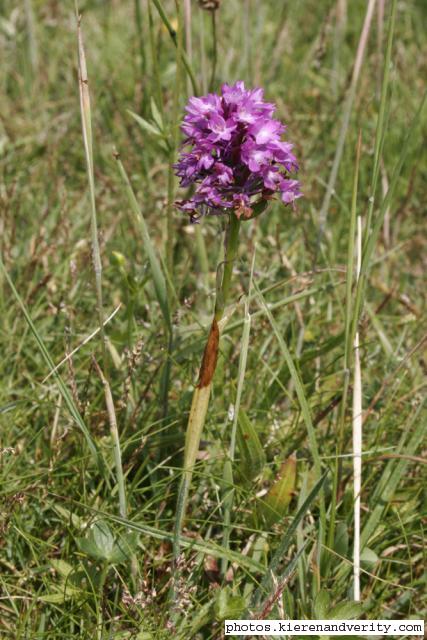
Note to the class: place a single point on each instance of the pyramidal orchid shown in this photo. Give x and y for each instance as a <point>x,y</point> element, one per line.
<point>237,159</point>
<point>235,162</point>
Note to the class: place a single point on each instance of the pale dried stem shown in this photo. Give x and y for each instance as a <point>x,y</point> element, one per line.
<point>363,41</point>
<point>87,141</point>
<point>115,439</point>
<point>357,433</point>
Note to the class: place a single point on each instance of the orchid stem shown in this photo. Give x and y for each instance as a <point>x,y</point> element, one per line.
<point>200,402</point>
<point>231,245</point>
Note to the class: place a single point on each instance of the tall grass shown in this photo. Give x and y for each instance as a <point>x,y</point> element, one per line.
<point>273,519</point>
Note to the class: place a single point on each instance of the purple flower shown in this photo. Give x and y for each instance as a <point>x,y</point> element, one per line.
<point>236,158</point>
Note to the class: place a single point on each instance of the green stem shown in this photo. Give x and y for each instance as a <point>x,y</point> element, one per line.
<point>214,52</point>
<point>173,35</point>
<point>142,53</point>
<point>231,246</point>
<point>102,579</point>
<point>201,394</point>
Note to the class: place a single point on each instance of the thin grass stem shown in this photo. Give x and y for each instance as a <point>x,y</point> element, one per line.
<point>174,38</point>
<point>348,106</point>
<point>120,479</point>
<point>214,51</point>
<point>86,117</point>
<point>357,434</point>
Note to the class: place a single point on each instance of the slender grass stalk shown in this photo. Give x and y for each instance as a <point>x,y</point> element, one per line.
<point>33,50</point>
<point>348,106</point>
<point>347,343</point>
<point>214,51</point>
<point>161,287</point>
<point>158,278</point>
<point>350,262</point>
<point>55,422</point>
<point>380,129</point>
<point>339,32</point>
<point>116,441</point>
<point>202,43</point>
<point>81,344</point>
<point>372,236</point>
<point>248,39</point>
<point>155,71</point>
<point>386,227</point>
<point>171,189</point>
<point>188,38</point>
<point>170,230</point>
<point>142,52</point>
<point>202,254</point>
<point>87,140</point>
<point>200,402</point>
<point>380,35</point>
<point>357,434</point>
<point>174,38</point>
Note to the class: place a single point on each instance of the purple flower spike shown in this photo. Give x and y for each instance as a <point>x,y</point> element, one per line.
<point>236,158</point>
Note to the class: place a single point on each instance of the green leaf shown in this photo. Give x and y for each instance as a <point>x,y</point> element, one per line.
<point>258,208</point>
<point>200,546</point>
<point>368,558</point>
<point>144,124</point>
<point>321,604</point>
<point>273,506</point>
<point>102,538</point>
<point>66,592</point>
<point>69,516</point>
<point>346,611</point>
<point>53,598</point>
<point>101,544</point>
<point>130,635</point>
<point>252,456</point>
<point>63,568</point>
<point>152,130</point>
<point>228,606</point>
<point>341,539</point>
<point>286,541</point>
<point>156,115</point>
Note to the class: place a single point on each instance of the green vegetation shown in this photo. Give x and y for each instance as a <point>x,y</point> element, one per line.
<point>91,448</point>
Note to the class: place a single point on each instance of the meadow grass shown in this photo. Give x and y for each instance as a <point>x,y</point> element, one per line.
<point>101,275</point>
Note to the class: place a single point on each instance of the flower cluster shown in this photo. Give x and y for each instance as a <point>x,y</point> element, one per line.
<point>237,158</point>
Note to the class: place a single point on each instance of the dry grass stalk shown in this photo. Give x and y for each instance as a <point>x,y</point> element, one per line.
<point>357,433</point>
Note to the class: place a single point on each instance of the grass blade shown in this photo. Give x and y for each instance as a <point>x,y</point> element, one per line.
<point>286,541</point>
<point>195,544</point>
<point>346,114</point>
<point>116,442</point>
<point>74,412</point>
<point>174,38</point>
<point>305,409</point>
<point>87,140</point>
<point>156,272</point>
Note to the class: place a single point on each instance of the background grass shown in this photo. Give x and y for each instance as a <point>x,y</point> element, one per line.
<point>71,566</point>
